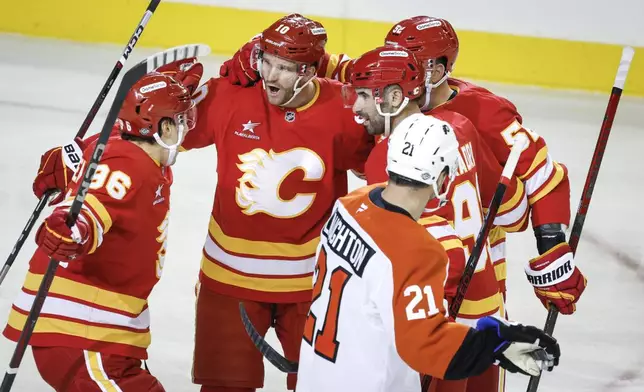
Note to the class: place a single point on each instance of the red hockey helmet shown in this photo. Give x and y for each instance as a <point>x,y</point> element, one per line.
<point>154,97</point>
<point>382,67</point>
<point>428,37</point>
<point>295,38</point>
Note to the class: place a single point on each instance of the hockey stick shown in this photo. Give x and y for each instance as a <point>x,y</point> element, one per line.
<point>267,351</point>
<point>287,366</point>
<point>519,145</point>
<point>81,132</point>
<point>591,179</point>
<point>129,79</point>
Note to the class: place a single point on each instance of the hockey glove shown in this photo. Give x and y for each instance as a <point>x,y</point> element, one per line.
<point>523,349</point>
<point>59,241</point>
<point>57,167</point>
<point>238,69</point>
<point>556,279</point>
<point>188,72</point>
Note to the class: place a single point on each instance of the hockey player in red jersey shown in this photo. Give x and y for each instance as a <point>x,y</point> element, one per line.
<point>386,87</point>
<point>94,328</point>
<point>435,42</point>
<point>239,69</point>
<point>377,317</point>
<point>284,148</point>
<point>547,187</point>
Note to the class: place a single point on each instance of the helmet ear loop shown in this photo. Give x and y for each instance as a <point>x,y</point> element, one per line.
<point>301,73</point>
<point>173,149</point>
<point>388,116</point>
<point>429,86</point>
<point>445,186</point>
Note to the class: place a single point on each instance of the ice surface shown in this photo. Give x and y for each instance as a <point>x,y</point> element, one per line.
<point>47,87</point>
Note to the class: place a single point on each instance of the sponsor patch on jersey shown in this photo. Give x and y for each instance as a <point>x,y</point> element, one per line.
<point>153,87</point>
<point>345,242</point>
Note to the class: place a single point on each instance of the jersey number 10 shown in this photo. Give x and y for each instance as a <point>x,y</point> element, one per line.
<point>324,340</point>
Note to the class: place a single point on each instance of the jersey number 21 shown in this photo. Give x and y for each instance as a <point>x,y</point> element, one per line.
<point>324,340</point>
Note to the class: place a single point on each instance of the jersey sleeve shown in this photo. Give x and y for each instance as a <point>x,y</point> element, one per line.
<point>411,301</point>
<point>539,172</point>
<point>444,233</point>
<point>205,97</point>
<point>112,196</point>
<point>335,66</point>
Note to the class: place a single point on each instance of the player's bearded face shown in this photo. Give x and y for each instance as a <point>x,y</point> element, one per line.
<point>279,77</point>
<point>365,107</point>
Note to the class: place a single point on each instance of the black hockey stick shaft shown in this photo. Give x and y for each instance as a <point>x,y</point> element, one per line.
<point>81,132</point>
<point>129,79</point>
<point>267,351</point>
<point>591,179</point>
<point>23,341</point>
<point>519,145</point>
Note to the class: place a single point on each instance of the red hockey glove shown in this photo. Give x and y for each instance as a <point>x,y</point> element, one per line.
<point>238,69</point>
<point>556,279</point>
<point>57,240</point>
<point>187,72</point>
<point>57,167</point>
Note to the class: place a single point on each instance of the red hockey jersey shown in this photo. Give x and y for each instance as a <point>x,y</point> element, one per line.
<point>279,173</point>
<point>99,302</point>
<point>546,181</point>
<point>470,194</point>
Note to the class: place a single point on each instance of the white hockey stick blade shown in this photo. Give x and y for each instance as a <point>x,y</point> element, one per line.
<point>624,66</point>
<point>175,54</point>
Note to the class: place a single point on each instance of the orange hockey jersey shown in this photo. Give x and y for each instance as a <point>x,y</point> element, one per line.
<point>546,181</point>
<point>378,317</point>
<point>470,193</point>
<point>99,302</point>
<point>279,172</point>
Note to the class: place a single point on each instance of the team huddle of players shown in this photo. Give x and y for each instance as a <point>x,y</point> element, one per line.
<point>357,285</point>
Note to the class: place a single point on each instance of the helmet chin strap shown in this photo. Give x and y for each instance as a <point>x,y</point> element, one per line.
<point>388,116</point>
<point>429,87</point>
<point>442,197</point>
<point>173,149</point>
<point>296,90</point>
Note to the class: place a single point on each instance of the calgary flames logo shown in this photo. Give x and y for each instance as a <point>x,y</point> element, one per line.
<point>163,240</point>
<point>264,172</point>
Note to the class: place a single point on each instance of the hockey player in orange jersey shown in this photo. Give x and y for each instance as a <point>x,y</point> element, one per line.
<point>386,86</point>
<point>94,328</point>
<point>284,149</point>
<point>377,318</point>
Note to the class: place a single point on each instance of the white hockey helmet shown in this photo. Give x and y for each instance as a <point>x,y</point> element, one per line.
<point>421,147</point>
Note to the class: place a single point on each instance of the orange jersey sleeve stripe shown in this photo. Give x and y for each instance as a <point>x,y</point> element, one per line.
<point>219,273</point>
<point>261,248</point>
<point>87,293</point>
<point>51,325</point>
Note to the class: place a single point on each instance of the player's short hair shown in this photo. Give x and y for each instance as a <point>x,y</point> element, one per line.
<point>399,180</point>
<point>149,140</point>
